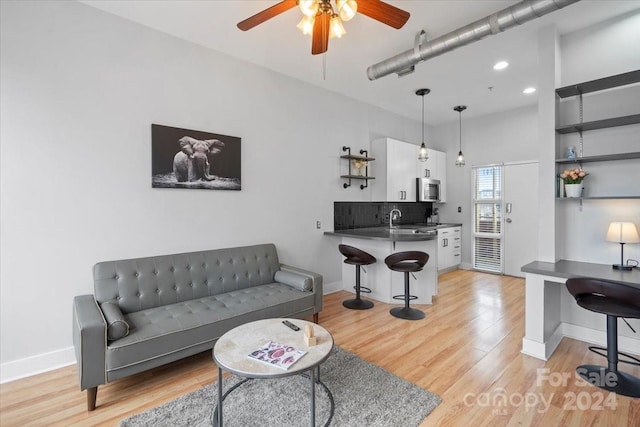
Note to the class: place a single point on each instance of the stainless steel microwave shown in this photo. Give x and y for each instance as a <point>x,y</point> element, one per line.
<point>428,190</point>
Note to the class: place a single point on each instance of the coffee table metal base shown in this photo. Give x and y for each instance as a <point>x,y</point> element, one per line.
<point>216,419</point>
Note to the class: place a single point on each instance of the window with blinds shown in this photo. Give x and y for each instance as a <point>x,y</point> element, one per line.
<point>487,218</point>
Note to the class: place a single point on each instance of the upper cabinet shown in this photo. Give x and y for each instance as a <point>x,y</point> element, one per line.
<point>435,168</point>
<point>395,170</point>
<point>603,117</point>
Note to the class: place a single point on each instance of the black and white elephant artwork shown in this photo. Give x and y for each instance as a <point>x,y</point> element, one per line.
<point>183,158</point>
<point>192,162</point>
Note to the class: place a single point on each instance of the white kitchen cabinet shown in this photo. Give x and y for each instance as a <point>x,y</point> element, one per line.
<point>449,248</point>
<point>394,170</point>
<point>435,168</point>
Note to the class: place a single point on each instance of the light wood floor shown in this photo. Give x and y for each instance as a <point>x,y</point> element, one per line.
<point>467,350</point>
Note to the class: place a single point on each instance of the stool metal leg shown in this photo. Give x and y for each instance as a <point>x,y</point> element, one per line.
<point>610,378</point>
<point>357,303</point>
<point>407,312</point>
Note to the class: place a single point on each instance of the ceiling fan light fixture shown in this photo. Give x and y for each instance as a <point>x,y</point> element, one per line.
<point>309,7</point>
<point>306,24</point>
<point>347,9</point>
<point>336,29</point>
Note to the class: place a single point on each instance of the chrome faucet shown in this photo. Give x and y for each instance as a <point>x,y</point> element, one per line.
<point>392,216</point>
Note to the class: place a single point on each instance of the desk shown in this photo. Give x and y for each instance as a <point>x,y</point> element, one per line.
<point>551,312</point>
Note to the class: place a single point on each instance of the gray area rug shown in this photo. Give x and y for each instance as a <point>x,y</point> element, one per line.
<point>364,394</point>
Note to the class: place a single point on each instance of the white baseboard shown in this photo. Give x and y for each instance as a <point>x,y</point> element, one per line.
<point>33,365</point>
<point>332,287</point>
<point>543,350</point>
<point>466,266</point>
<point>593,336</point>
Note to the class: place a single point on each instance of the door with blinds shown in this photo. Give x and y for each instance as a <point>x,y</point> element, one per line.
<point>487,218</point>
<point>505,223</point>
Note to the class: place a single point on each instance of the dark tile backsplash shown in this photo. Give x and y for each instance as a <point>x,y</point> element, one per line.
<point>348,215</point>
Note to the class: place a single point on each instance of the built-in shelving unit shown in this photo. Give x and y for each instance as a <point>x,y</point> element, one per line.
<point>611,82</point>
<point>364,156</point>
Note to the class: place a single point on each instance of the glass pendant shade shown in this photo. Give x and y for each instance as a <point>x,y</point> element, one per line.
<point>336,29</point>
<point>423,156</point>
<point>347,9</point>
<point>306,24</point>
<point>460,159</point>
<point>309,7</point>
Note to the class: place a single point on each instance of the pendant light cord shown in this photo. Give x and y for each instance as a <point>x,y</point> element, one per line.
<point>460,128</point>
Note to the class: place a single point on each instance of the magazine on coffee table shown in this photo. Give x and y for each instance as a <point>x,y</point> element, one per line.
<point>281,355</point>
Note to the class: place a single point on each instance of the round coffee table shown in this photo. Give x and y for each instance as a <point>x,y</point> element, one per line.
<point>231,354</point>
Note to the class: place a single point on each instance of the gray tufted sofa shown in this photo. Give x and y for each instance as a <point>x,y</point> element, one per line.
<point>150,311</point>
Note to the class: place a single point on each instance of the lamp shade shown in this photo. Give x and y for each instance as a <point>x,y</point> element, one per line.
<point>623,232</point>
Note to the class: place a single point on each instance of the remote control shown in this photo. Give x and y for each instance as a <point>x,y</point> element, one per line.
<point>290,325</point>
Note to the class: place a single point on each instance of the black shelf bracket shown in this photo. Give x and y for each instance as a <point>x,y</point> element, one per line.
<point>348,150</point>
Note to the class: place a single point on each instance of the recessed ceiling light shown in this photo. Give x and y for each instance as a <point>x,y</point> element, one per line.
<point>501,65</point>
<point>529,90</point>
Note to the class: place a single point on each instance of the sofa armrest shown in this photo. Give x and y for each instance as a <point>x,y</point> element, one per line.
<point>316,282</point>
<point>90,341</point>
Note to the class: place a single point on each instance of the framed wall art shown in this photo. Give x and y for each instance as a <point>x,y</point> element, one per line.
<point>184,158</point>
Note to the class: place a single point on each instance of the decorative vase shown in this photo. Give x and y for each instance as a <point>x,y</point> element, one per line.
<point>573,190</point>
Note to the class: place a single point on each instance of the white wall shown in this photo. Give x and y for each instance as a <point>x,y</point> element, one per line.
<point>80,90</point>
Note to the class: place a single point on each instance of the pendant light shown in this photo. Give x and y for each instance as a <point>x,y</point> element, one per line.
<point>423,156</point>
<point>460,159</point>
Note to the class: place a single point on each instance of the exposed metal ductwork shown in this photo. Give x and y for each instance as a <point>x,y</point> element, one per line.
<point>495,23</point>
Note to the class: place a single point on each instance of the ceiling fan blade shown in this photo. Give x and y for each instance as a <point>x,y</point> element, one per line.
<point>320,38</point>
<point>266,14</point>
<point>383,12</point>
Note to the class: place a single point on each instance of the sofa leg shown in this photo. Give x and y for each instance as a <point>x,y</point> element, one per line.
<point>315,317</point>
<point>92,393</point>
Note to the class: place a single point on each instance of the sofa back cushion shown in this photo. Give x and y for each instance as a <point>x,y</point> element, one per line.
<point>143,283</point>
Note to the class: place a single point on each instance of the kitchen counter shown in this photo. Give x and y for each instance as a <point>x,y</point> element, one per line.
<point>381,242</point>
<point>403,233</point>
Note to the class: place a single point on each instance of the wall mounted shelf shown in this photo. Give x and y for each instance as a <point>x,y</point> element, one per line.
<point>602,158</point>
<point>599,198</point>
<point>599,84</point>
<point>362,157</point>
<point>600,124</point>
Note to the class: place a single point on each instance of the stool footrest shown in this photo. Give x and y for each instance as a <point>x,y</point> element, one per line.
<point>363,289</point>
<point>602,351</point>
<point>403,297</point>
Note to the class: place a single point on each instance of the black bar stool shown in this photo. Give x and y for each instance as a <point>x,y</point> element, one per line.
<point>407,262</point>
<point>615,300</point>
<point>357,257</point>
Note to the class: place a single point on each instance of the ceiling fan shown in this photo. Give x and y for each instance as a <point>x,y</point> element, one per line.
<point>322,21</point>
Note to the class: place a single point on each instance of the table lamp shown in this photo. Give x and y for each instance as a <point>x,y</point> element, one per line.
<point>622,232</point>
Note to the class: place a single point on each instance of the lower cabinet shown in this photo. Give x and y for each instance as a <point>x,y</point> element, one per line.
<point>449,249</point>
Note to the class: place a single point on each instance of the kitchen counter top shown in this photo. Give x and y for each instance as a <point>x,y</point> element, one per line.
<point>403,233</point>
